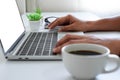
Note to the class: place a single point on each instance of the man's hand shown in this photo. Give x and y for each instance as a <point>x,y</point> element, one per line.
<point>69,23</point>
<point>75,39</point>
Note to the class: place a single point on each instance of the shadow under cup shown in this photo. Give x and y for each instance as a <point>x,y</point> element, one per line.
<point>87,66</point>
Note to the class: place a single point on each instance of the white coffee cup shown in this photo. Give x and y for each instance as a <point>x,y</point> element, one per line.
<point>88,66</point>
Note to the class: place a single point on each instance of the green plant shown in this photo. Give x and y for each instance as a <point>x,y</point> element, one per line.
<point>35,16</point>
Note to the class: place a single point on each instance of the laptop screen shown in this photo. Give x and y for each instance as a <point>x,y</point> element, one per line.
<point>11,26</point>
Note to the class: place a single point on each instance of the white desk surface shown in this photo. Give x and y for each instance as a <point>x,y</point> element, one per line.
<point>50,70</point>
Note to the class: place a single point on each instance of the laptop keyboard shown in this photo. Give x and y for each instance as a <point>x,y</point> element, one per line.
<point>40,43</point>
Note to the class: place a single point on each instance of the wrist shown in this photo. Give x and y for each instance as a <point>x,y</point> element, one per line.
<point>113,45</point>
<point>90,26</point>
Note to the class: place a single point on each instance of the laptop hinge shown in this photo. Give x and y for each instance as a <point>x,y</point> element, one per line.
<point>15,43</point>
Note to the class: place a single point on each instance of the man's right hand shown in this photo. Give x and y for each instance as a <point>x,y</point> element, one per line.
<point>112,44</point>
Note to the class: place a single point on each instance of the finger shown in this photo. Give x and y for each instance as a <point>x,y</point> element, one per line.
<point>81,39</point>
<point>58,49</point>
<point>59,22</point>
<point>68,37</point>
<point>52,25</point>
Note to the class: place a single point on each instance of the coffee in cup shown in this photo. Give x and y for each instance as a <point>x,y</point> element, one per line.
<point>87,61</point>
<point>84,52</point>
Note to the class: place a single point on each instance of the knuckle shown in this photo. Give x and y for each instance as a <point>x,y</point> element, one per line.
<point>69,15</point>
<point>68,36</point>
<point>71,42</point>
<point>62,28</point>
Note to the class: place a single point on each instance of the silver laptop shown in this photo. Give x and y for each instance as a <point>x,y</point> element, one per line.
<point>17,44</point>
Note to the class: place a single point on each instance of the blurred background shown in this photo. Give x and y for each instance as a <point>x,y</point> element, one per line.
<point>102,8</point>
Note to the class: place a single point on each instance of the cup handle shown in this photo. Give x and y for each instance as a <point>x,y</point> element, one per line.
<point>116,60</point>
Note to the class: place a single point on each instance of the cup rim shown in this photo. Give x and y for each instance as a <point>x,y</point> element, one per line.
<point>106,48</point>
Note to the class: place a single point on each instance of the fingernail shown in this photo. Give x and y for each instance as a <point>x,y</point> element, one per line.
<point>54,49</point>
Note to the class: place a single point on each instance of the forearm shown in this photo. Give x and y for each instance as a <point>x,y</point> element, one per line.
<point>104,24</point>
<point>113,45</point>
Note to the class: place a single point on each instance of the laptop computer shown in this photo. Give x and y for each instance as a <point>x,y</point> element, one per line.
<point>18,44</point>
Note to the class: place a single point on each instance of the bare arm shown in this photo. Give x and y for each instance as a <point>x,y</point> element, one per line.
<point>70,23</point>
<point>104,24</point>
